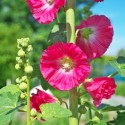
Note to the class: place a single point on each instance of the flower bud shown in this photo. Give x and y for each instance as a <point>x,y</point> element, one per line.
<point>22,96</point>
<point>33,112</point>
<point>17,66</point>
<point>24,42</point>
<point>17,59</point>
<point>21,53</point>
<point>23,86</point>
<point>30,48</point>
<point>24,78</point>
<point>17,80</point>
<point>28,69</point>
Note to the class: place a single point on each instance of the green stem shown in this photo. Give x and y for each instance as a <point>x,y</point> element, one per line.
<point>112,75</point>
<point>90,113</point>
<point>10,123</point>
<point>70,27</point>
<point>28,102</point>
<point>70,21</point>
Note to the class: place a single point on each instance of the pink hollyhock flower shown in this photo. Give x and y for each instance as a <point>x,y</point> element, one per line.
<point>94,36</point>
<point>39,98</point>
<point>64,65</point>
<point>98,0</point>
<point>99,88</point>
<point>44,11</point>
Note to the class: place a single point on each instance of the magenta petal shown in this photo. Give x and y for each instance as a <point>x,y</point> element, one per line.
<point>44,12</point>
<point>53,71</point>
<point>99,40</point>
<point>99,88</point>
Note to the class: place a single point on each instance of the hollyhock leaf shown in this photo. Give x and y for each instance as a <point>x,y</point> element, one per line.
<point>120,120</point>
<point>10,88</point>
<point>58,33</point>
<point>119,67</point>
<point>102,122</point>
<point>8,103</point>
<point>91,106</point>
<point>108,108</point>
<point>54,110</point>
<point>121,60</point>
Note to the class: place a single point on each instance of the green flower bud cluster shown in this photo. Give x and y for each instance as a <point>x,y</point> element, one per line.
<point>24,48</point>
<point>22,84</point>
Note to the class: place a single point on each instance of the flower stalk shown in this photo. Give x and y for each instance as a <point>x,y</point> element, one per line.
<point>70,27</point>
<point>28,102</point>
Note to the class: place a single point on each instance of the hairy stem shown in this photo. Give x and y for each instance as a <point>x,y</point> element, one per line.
<point>70,27</point>
<point>28,102</point>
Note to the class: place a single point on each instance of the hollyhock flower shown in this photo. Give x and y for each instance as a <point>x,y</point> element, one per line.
<point>94,36</point>
<point>98,0</point>
<point>39,98</point>
<point>44,11</point>
<point>64,65</point>
<point>99,88</point>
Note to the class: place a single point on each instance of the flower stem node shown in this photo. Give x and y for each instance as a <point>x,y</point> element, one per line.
<point>28,69</point>
<point>21,53</point>
<point>22,95</point>
<point>33,112</point>
<point>23,86</point>
<point>17,66</point>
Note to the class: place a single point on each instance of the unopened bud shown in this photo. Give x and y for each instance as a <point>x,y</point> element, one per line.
<point>33,112</point>
<point>28,69</point>
<point>23,86</point>
<point>24,78</point>
<point>17,80</point>
<point>21,53</point>
<point>24,42</point>
<point>17,66</point>
<point>30,48</point>
<point>22,96</point>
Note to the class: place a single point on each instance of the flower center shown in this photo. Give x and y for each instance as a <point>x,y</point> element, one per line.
<point>67,63</point>
<point>50,2</point>
<point>86,32</point>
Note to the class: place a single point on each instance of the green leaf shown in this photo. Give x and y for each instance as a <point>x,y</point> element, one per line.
<point>58,33</point>
<point>119,67</point>
<point>108,108</point>
<point>53,110</point>
<point>120,120</point>
<point>102,122</point>
<point>8,103</point>
<point>121,60</point>
<point>91,106</point>
<point>10,88</point>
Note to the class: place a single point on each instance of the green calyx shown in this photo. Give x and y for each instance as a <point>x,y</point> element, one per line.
<point>86,32</point>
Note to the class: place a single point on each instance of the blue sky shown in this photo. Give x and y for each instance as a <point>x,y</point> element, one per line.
<point>115,11</point>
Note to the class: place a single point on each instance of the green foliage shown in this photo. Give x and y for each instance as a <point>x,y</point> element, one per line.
<point>13,89</point>
<point>7,103</point>
<point>58,33</point>
<point>120,89</point>
<point>119,65</point>
<point>54,110</point>
<point>108,108</point>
